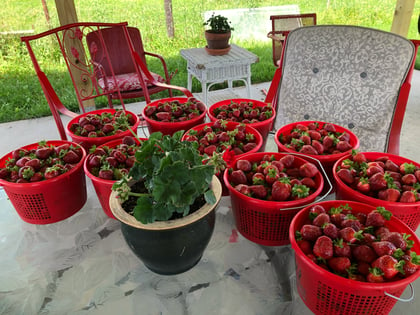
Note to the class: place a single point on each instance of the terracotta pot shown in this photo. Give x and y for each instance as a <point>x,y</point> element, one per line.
<point>217,43</point>
<point>169,247</point>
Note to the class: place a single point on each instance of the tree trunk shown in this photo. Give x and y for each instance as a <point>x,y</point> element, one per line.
<point>169,19</point>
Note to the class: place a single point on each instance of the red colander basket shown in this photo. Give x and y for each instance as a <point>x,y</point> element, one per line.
<point>409,213</point>
<point>326,293</point>
<point>169,128</point>
<point>262,127</point>
<point>103,187</point>
<point>266,222</point>
<point>51,200</point>
<point>88,142</point>
<point>327,160</point>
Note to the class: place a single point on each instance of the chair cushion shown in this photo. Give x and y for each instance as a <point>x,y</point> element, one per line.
<point>346,75</point>
<point>126,82</point>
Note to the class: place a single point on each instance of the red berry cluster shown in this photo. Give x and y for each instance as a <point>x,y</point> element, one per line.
<point>175,111</point>
<point>218,137</point>
<point>43,162</point>
<point>315,139</point>
<point>357,245</point>
<point>102,125</point>
<point>274,179</point>
<point>381,178</point>
<point>112,163</point>
<point>246,112</point>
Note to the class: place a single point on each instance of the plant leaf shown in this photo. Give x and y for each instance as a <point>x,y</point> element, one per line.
<point>143,211</point>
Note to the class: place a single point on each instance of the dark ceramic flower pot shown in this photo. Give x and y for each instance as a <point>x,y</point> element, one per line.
<point>169,247</point>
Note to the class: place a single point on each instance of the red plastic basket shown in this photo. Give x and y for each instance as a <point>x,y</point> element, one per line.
<point>327,161</point>
<point>88,142</point>
<point>262,127</point>
<point>50,200</point>
<point>326,293</point>
<point>103,187</point>
<point>169,128</point>
<point>409,213</point>
<point>266,222</point>
<point>231,126</point>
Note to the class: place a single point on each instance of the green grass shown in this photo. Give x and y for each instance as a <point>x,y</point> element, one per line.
<point>21,93</point>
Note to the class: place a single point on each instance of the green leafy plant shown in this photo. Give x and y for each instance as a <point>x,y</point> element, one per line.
<point>173,174</point>
<point>218,24</point>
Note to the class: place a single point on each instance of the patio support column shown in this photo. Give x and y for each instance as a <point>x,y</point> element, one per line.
<point>66,11</point>
<point>402,17</point>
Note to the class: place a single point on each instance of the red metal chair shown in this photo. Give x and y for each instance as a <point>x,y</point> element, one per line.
<point>70,40</point>
<point>353,76</point>
<point>108,47</point>
<point>281,25</point>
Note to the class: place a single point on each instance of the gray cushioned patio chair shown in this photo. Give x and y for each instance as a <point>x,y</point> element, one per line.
<point>352,76</point>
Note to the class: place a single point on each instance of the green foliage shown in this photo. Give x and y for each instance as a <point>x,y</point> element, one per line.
<point>173,174</point>
<point>218,24</point>
<point>22,95</point>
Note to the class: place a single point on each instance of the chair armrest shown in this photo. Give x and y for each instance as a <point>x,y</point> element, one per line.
<point>152,80</point>
<point>165,68</point>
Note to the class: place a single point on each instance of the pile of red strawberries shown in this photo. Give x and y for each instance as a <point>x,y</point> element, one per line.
<point>274,179</point>
<point>245,112</point>
<point>112,163</point>
<point>41,163</point>
<point>219,136</point>
<point>102,125</point>
<point>175,111</point>
<point>357,245</point>
<point>316,139</point>
<point>381,178</point>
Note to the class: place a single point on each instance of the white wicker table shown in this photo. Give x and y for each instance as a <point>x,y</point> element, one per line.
<point>209,70</point>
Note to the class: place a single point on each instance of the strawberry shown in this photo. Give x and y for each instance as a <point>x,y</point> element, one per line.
<point>323,247</point>
<point>287,160</point>
<point>375,275</point>
<point>343,146</point>
<point>243,189</point>
<point>321,219</point>
<point>238,177</point>
<point>390,194</point>
<point>339,264</point>
<point>411,263</point>
<point>398,239</point>
<point>308,149</point>
<point>349,235</point>
<point>51,172</point>
<point>310,232</point>
<point>43,153</point>
<point>34,163</point>
<point>383,248</point>
<point>388,265</point>
<point>363,185</point>
<point>71,157</point>
<point>330,230</point>
<point>364,253</point>
<point>409,179</point>
<point>258,191</point>
<point>345,175</point>
<point>305,246</point>
<point>300,191</point>
<point>106,173</point>
<point>209,150</point>
<point>164,116</point>
<point>315,210</point>
<point>308,170</point>
<point>244,165</point>
<point>408,197</point>
<point>407,168</point>
<point>341,248</point>
<point>281,190</point>
<point>377,217</point>
<point>377,181</point>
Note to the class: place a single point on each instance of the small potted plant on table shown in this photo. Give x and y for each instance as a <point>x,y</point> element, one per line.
<point>218,35</point>
<point>167,211</point>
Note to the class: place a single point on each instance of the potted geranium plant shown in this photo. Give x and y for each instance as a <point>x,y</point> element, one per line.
<point>166,203</point>
<point>218,34</point>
